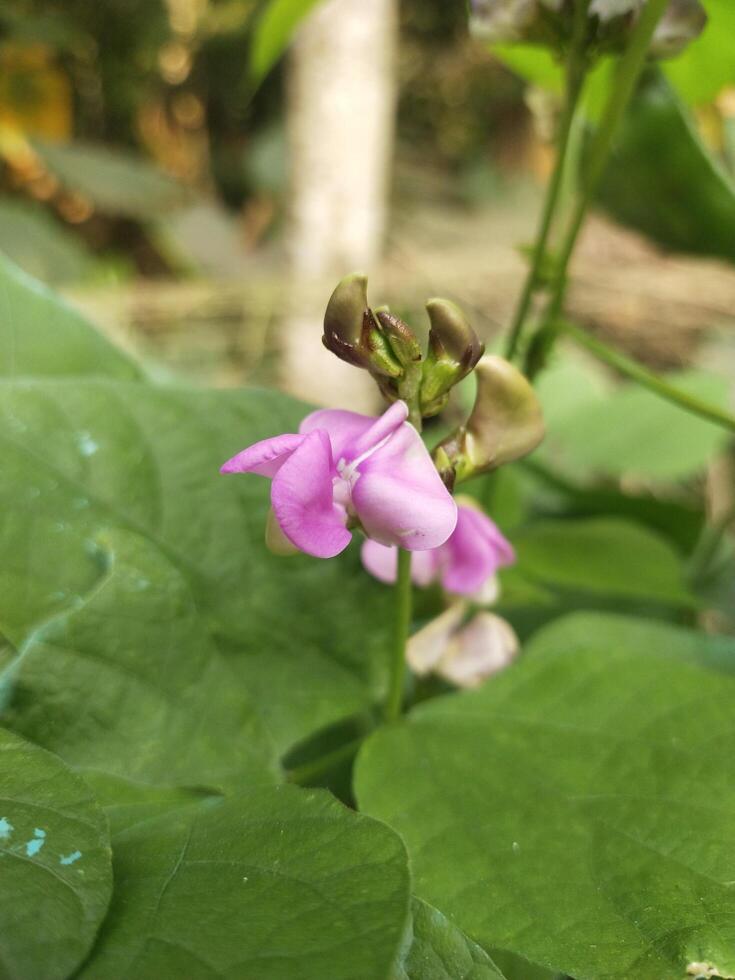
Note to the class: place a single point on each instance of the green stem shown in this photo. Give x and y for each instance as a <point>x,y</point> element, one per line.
<point>309,771</point>
<point>628,73</point>
<point>575,73</point>
<point>402,625</point>
<point>647,379</point>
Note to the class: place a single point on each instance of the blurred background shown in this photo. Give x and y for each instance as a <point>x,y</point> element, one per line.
<point>197,174</point>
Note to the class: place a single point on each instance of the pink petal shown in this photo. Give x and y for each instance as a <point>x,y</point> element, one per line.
<point>399,496</point>
<point>381,561</point>
<point>429,645</point>
<point>343,428</point>
<point>351,434</point>
<point>484,646</point>
<point>264,458</point>
<point>474,553</point>
<point>302,500</point>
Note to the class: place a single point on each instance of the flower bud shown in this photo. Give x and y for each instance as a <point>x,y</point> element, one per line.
<point>400,337</point>
<point>550,22</point>
<point>454,350</point>
<point>351,332</point>
<point>506,423</point>
<point>505,20</point>
<point>683,21</point>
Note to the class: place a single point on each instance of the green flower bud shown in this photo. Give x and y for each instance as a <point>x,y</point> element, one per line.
<point>506,423</point>
<point>454,350</point>
<point>400,337</point>
<point>351,331</point>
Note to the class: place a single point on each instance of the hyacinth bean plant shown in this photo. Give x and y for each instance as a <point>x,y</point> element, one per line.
<point>416,706</point>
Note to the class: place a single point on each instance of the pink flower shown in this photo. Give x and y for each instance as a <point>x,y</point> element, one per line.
<point>343,470</point>
<point>465,564</point>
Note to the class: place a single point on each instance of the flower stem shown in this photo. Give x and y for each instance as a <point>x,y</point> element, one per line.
<point>629,71</point>
<point>575,74</point>
<point>402,625</point>
<point>645,378</point>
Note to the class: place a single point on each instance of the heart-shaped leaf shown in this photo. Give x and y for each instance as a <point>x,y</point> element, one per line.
<point>55,867</point>
<point>579,809</point>
<point>273,884</point>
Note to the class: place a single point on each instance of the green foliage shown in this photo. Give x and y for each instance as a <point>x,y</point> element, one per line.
<point>595,556</point>
<point>659,158</point>
<point>594,430</point>
<point>574,814</point>
<point>708,64</point>
<point>440,951</point>
<point>115,181</point>
<point>56,876</point>
<point>40,245</point>
<point>273,32</point>
<point>303,888</point>
<point>598,838</point>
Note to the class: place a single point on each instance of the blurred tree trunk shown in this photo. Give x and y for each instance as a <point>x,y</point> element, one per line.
<point>341,98</point>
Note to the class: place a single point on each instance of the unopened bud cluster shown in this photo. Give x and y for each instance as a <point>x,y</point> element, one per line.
<point>506,421</point>
<point>380,342</point>
<point>610,22</point>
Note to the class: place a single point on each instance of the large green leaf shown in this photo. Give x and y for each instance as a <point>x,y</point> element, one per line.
<point>128,681</point>
<point>42,335</point>
<point>114,180</point>
<point>273,31</point>
<point>273,885</point>
<point>602,556</point>
<point>90,456</point>
<point>440,951</point>
<point>579,809</point>
<point>55,866</point>
<point>633,432</point>
<point>662,180</point>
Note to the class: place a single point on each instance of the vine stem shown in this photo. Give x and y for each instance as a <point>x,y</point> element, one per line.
<point>628,73</point>
<point>647,379</point>
<point>576,69</point>
<point>402,623</point>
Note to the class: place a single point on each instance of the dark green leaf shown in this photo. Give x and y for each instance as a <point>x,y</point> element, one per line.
<point>129,682</point>
<point>579,809</point>
<point>55,867</point>
<point>273,885</point>
<point>661,179</point>
<point>91,456</point>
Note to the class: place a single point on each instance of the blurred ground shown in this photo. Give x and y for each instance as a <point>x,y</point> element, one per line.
<point>668,310</point>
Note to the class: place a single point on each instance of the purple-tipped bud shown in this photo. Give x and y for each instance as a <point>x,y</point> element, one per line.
<point>351,331</point>
<point>454,350</point>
